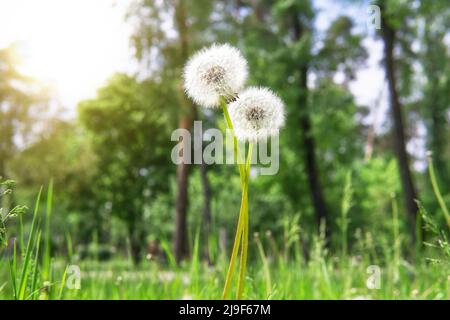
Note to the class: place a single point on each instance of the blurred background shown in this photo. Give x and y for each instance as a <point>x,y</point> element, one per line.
<point>90,92</point>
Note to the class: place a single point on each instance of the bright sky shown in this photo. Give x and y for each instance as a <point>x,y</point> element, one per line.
<point>73,45</point>
<point>76,45</point>
<point>370,79</point>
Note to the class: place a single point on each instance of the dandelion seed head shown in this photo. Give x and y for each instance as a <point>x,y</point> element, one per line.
<point>214,76</point>
<point>219,70</point>
<point>257,114</point>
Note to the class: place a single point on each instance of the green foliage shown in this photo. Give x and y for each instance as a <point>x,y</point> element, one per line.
<point>129,127</point>
<point>18,94</point>
<point>374,184</point>
<point>114,182</point>
<point>6,189</point>
<point>341,50</point>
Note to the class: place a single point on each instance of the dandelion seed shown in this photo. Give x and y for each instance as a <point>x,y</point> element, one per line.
<point>256,114</point>
<point>219,70</point>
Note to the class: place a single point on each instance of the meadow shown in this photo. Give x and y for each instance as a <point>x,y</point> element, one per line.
<point>376,268</point>
<point>215,149</point>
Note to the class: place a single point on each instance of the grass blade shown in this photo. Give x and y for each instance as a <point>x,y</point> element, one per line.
<point>47,253</point>
<point>13,270</point>
<point>63,284</point>
<point>30,246</point>
<point>36,267</point>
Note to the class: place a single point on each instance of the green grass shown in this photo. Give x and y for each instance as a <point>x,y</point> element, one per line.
<point>272,274</point>
<point>275,271</point>
<point>319,278</point>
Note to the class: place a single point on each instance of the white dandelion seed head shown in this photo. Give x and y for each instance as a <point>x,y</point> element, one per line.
<point>257,114</point>
<point>219,70</point>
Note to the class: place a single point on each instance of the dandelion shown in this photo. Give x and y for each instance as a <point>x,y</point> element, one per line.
<point>215,77</point>
<point>256,114</point>
<point>215,72</point>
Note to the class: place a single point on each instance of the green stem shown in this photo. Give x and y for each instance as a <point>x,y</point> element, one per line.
<point>242,227</point>
<point>237,156</point>
<point>237,239</point>
<point>234,253</point>
<point>244,251</point>
<point>437,192</point>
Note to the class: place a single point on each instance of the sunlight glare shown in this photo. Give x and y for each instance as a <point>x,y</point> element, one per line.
<point>71,45</point>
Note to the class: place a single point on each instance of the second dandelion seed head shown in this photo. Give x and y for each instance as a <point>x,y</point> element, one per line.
<point>257,114</point>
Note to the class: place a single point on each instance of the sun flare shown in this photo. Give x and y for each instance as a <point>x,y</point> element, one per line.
<point>71,45</point>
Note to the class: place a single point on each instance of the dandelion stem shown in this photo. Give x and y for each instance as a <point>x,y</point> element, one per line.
<point>234,253</point>
<point>237,239</point>
<point>243,262</point>
<point>242,226</point>
<point>237,156</point>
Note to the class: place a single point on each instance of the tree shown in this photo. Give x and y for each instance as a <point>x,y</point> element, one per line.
<point>281,56</point>
<point>389,36</point>
<point>129,125</point>
<point>293,56</point>
<point>341,51</point>
<point>190,21</point>
<point>19,97</point>
<point>435,104</point>
<point>62,154</point>
<point>309,145</point>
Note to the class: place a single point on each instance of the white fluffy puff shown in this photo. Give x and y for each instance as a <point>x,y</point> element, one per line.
<point>219,70</point>
<point>257,114</point>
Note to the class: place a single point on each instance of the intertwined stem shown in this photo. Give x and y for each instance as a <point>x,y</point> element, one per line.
<point>234,253</point>
<point>244,250</point>
<point>237,155</point>
<point>242,226</point>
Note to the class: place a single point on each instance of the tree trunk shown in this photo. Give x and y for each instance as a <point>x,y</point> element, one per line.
<point>438,143</point>
<point>308,143</point>
<point>137,240</point>
<point>181,248</point>
<point>409,191</point>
